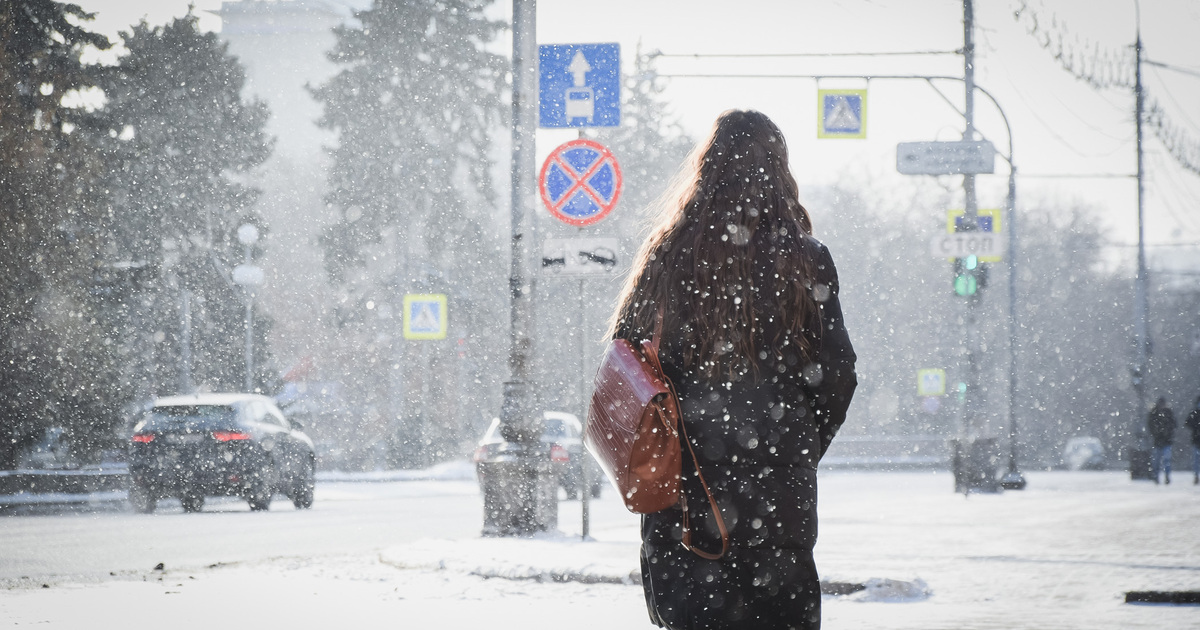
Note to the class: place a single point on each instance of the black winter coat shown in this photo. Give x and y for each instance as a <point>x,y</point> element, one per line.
<point>1162,426</point>
<point>1193,423</point>
<point>759,441</point>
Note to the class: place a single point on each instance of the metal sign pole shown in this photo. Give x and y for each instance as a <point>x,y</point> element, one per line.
<point>249,290</point>
<point>585,492</point>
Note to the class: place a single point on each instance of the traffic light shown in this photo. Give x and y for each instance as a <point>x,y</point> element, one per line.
<point>966,275</point>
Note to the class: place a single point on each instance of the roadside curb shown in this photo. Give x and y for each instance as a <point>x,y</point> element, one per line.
<point>104,485</point>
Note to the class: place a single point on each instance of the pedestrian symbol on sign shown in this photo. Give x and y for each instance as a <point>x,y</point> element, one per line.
<point>424,316</point>
<point>931,382</point>
<point>842,113</point>
<point>426,319</point>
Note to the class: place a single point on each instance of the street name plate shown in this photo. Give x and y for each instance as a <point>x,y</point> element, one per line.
<point>946,158</point>
<point>958,245</point>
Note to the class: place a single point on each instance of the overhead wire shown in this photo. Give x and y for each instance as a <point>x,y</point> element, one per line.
<point>1104,243</point>
<point>1104,68</point>
<point>1191,222</point>
<point>1050,129</point>
<point>1181,146</point>
<point>1045,125</point>
<point>909,53</point>
<point>1171,97</point>
<point>1179,69</point>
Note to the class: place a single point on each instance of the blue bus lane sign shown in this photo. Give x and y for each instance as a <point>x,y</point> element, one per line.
<point>579,85</point>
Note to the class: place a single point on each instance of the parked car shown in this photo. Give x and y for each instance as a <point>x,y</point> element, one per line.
<point>204,445</point>
<point>564,433</point>
<point>1084,453</point>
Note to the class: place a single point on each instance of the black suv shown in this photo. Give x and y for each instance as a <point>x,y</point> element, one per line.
<point>219,445</point>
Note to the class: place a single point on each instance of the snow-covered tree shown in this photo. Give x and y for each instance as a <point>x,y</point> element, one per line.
<point>416,106</point>
<point>1072,313</point>
<point>1073,341</point>
<point>650,145</point>
<point>56,364</point>
<point>177,134</point>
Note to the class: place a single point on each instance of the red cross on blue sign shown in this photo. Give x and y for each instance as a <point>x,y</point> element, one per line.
<point>580,182</point>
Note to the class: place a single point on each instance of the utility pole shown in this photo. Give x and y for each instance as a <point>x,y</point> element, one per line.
<point>973,457</point>
<point>1013,479</point>
<point>969,106</point>
<point>970,223</point>
<point>1140,307</point>
<point>1139,448</point>
<point>520,495</point>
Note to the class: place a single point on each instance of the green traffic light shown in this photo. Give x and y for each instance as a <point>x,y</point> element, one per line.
<point>965,285</point>
<point>971,262</point>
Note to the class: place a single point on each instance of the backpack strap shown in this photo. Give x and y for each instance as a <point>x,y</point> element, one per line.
<point>687,530</point>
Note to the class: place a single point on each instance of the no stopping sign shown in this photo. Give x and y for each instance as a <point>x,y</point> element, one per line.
<point>580,182</point>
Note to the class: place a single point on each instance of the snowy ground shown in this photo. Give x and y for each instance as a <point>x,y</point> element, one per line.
<point>1060,554</point>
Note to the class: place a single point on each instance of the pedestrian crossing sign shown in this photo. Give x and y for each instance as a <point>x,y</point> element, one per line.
<point>425,316</point>
<point>931,382</point>
<point>841,113</point>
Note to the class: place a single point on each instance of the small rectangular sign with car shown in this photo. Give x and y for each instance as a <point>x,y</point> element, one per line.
<point>579,256</point>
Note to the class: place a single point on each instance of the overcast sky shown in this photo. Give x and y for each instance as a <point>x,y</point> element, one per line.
<point>1061,126</point>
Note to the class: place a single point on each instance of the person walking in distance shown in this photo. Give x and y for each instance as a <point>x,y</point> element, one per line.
<point>1193,424</point>
<point>1162,433</point>
<point>753,338</point>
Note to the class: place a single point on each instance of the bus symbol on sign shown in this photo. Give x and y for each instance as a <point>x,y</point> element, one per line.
<point>581,99</point>
<point>579,85</point>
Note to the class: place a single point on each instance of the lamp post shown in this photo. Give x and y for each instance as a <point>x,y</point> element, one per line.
<point>249,277</point>
<point>520,490</point>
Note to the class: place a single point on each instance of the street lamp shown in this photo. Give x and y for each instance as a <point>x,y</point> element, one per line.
<point>250,277</point>
<point>520,495</point>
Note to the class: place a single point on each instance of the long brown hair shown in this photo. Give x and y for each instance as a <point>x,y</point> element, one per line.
<point>734,198</point>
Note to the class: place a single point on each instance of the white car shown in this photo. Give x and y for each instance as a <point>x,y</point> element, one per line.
<point>564,433</point>
<point>1084,453</point>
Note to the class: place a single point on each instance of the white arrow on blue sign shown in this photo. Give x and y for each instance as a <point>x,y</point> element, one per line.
<point>579,85</point>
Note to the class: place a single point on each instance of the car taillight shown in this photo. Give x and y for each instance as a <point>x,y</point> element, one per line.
<point>143,438</point>
<point>559,454</point>
<point>229,436</point>
<point>480,454</point>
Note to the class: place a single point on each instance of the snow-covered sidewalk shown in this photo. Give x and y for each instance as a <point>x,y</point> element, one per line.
<point>1060,554</point>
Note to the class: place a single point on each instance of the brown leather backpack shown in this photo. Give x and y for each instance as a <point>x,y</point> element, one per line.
<point>633,430</point>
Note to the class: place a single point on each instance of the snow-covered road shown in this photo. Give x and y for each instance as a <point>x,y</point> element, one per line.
<point>1060,554</point>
